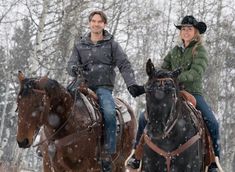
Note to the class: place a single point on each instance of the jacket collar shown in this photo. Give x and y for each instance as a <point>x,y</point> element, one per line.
<point>191,44</point>
<point>86,39</point>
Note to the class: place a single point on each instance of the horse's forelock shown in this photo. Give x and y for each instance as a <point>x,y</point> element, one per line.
<point>27,85</point>
<point>162,73</point>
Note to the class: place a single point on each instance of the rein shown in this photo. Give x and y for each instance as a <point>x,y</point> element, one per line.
<point>147,90</point>
<point>41,119</point>
<point>168,129</point>
<point>89,127</point>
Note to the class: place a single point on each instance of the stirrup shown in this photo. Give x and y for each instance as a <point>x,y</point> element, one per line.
<point>218,169</point>
<point>133,163</point>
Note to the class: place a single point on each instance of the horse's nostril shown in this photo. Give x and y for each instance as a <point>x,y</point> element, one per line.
<point>24,143</point>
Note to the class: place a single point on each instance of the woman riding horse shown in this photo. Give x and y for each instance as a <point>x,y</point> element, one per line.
<point>191,56</point>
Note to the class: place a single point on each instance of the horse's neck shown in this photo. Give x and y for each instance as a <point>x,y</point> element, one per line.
<point>160,109</point>
<point>60,107</point>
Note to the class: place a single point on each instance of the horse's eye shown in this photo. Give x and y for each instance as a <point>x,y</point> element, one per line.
<point>168,82</point>
<point>157,83</point>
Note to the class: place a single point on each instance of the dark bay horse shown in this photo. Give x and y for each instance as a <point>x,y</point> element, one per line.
<point>71,138</point>
<point>174,129</point>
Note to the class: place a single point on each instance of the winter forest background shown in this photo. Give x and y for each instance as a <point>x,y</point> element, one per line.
<point>36,37</point>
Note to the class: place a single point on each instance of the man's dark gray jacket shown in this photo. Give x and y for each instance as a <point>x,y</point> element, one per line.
<point>99,61</point>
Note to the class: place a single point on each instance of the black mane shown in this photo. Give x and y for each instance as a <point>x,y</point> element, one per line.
<point>33,83</point>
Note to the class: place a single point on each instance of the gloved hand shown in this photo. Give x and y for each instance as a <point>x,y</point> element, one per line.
<point>136,90</point>
<point>176,73</point>
<point>75,70</point>
<point>181,86</point>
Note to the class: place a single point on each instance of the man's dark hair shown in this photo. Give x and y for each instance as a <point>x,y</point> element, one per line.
<point>102,15</point>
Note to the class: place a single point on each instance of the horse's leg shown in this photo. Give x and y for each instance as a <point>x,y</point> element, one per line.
<point>46,164</point>
<point>89,166</point>
<point>59,158</point>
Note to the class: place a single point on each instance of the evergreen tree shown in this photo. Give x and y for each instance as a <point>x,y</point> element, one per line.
<point>22,48</point>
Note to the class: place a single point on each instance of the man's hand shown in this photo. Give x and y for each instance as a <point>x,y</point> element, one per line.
<point>136,90</point>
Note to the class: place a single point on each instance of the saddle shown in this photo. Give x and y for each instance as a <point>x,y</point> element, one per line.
<point>188,97</point>
<point>198,120</point>
<point>123,115</point>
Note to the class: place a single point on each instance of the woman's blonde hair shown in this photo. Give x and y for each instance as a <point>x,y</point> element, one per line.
<point>197,38</point>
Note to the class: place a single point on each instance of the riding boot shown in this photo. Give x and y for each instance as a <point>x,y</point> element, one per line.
<point>212,170</point>
<point>106,163</point>
<point>212,167</point>
<point>133,162</point>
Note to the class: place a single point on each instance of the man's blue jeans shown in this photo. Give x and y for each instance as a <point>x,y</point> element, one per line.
<point>107,107</point>
<point>208,118</point>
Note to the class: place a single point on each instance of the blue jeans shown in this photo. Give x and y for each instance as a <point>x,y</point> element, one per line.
<point>107,107</point>
<point>210,121</point>
<point>141,125</point>
<point>208,118</point>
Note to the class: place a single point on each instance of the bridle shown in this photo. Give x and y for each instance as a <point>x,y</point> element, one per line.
<point>42,113</point>
<point>170,124</point>
<point>62,140</point>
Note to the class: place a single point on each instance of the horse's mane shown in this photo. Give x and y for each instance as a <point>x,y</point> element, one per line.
<point>51,86</point>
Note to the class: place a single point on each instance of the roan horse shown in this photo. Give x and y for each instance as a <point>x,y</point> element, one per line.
<point>71,139</point>
<point>174,129</point>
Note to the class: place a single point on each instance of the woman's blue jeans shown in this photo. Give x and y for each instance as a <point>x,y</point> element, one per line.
<point>208,118</point>
<point>141,125</point>
<point>107,107</point>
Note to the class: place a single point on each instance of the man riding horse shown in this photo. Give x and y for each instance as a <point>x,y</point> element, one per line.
<point>99,54</point>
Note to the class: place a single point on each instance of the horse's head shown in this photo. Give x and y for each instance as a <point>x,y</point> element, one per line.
<point>161,96</point>
<point>41,101</point>
<point>32,104</point>
<point>161,83</point>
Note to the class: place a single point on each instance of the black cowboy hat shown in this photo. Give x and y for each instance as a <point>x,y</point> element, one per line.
<point>191,21</point>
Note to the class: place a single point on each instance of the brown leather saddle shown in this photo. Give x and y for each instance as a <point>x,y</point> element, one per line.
<point>191,101</point>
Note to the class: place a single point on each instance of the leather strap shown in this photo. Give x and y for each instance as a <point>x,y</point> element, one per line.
<point>169,155</point>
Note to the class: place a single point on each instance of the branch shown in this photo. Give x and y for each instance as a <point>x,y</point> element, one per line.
<point>8,10</point>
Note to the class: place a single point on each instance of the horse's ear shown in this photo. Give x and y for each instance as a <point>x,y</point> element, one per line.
<point>43,81</point>
<point>149,68</point>
<point>21,76</point>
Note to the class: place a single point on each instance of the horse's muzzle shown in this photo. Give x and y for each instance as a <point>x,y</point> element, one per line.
<point>24,143</point>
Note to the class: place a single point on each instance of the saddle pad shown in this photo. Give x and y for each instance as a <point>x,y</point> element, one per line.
<point>121,107</point>
<point>89,106</point>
